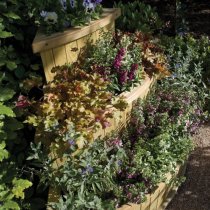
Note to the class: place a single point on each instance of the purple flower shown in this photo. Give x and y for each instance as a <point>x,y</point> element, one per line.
<point>134,68</point>
<point>63,4</point>
<point>71,142</point>
<point>123,77</point>
<point>87,170</point>
<point>89,5</point>
<point>116,142</point>
<point>118,59</point>
<point>43,13</point>
<point>72,3</point>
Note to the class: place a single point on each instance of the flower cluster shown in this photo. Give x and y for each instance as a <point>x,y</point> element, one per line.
<point>58,15</point>
<point>118,59</point>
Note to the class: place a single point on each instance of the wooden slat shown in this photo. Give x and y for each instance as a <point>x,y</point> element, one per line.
<point>59,54</point>
<point>43,42</point>
<point>71,52</point>
<point>48,63</point>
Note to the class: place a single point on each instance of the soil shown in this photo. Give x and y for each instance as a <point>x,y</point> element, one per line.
<point>194,192</point>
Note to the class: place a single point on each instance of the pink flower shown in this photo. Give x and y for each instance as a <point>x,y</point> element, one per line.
<point>22,102</point>
<point>105,124</point>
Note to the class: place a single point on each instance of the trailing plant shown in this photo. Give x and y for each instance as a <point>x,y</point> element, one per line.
<point>54,16</point>
<point>74,106</point>
<point>137,16</point>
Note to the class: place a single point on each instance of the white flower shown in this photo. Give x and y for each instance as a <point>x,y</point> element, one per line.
<point>43,13</point>
<point>51,17</point>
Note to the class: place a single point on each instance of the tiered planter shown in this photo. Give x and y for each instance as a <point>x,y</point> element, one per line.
<point>59,48</point>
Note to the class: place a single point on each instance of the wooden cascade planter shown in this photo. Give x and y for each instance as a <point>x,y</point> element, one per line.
<point>58,48</point>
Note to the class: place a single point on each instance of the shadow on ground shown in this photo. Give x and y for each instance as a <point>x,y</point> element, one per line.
<point>194,194</point>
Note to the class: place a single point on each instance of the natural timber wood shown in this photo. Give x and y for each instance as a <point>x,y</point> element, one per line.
<point>43,42</point>
<point>64,47</point>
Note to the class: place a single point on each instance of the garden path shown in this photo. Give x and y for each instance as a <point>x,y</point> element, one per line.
<point>194,193</point>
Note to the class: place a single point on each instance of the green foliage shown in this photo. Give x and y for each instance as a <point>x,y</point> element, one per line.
<point>74,111</point>
<point>137,16</point>
<point>190,64</point>
<point>14,68</point>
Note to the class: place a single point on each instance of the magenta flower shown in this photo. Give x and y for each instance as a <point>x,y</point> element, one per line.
<point>118,59</point>
<point>134,68</point>
<point>123,77</point>
<point>22,102</point>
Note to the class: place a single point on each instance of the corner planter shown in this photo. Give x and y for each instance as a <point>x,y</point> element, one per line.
<point>58,48</point>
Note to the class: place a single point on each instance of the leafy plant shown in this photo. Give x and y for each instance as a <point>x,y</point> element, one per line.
<point>15,67</point>
<point>137,16</point>
<point>121,59</point>
<point>72,110</point>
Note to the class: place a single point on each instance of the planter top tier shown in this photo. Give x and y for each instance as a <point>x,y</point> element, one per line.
<point>59,48</point>
<point>43,42</point>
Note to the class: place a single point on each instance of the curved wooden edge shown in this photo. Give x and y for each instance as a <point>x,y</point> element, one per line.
<point>42,42</point>
<point>162,196</point>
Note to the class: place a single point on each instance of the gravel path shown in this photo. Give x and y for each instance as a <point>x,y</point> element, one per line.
<point>194,194</point>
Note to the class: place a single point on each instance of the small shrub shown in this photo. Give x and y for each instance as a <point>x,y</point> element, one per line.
<point>137,16</point>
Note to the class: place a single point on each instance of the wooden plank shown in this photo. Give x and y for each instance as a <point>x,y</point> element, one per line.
<point>59,54</point>
<point>72,52</point>
<point>43,42</point>
<point>145,205</point>
<point>53,196</point>
<point>111,128</point>
<point>48,64</point>
<point>130,206</point>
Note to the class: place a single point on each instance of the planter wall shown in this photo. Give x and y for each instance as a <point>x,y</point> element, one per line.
<point>59,48</point>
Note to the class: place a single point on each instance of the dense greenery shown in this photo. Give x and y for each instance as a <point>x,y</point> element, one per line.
<point>17,77</point>
<point>123,59</point>
<point>120,168</point>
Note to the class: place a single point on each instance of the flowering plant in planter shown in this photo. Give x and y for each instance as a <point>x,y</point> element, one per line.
<point>123,58</point>
<point>57,15</point>
<point>118,59</point>
<point>74,106</point>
